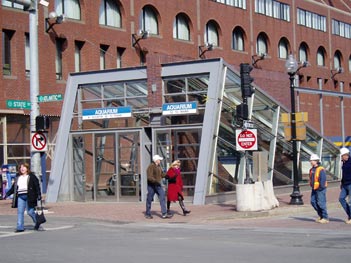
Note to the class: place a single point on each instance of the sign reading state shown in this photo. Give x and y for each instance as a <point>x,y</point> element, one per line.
<point>107,113</point>
<point>179,108</point>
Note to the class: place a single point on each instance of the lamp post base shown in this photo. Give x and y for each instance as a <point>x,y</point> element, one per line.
<point>296,198</point>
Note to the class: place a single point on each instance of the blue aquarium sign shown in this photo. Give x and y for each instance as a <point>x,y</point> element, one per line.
<point>107,113</point>
<point>179,108</point>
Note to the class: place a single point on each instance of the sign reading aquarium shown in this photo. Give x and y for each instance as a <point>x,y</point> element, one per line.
<point>107,113</point>
<point>179,108</point>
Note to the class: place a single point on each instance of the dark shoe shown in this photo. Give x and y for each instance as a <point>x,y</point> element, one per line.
<point>36,227</point>
<point>167,216</point>
<point>148,216</point>
<point>19,230</point>
<point>185,212</point>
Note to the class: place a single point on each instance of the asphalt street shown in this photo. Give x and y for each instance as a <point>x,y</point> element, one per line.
<point>274,238</point>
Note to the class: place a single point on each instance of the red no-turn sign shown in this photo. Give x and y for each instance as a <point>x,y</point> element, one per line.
<point>246,140</point>
<point>39,142</point>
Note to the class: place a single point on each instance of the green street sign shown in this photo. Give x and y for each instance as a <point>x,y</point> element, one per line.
<point>49,97</point>
<point>18,104</point>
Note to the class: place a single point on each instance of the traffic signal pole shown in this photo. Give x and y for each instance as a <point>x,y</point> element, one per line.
<point>34,80</point>
<point>32,7</point>
<point>247,90</point>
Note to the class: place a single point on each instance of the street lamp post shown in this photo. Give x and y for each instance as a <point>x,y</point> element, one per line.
<point>292,68</point>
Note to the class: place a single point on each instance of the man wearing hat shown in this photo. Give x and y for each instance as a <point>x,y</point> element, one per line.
<point>346,183</point>
<point>318,182</point>
<point>154,177</point>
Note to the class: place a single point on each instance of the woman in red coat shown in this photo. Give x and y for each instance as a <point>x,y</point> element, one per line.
<point>175,187</point>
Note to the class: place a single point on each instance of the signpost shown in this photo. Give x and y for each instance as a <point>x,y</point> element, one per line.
<point>246,140</point>
<point>49,97</point>
<point>18,104</point>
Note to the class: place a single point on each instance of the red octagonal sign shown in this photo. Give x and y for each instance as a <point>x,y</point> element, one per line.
<point>246,140</point>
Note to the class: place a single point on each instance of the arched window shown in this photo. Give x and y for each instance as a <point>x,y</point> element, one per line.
<point>261,45</point>
<point>70,8</point>
<point>238,39</point>
<point>149,21</point>
<point>211,33</point>
<point>283,48</point>
<point>181,29</point>
<point>109,14</point>
<point>321,56</point>
<point>337,59</point>
<point>303,52</point>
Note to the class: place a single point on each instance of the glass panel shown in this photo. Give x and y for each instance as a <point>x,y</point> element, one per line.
<point>184,145</point>
<point>104,166</point>
<point>129,166</point>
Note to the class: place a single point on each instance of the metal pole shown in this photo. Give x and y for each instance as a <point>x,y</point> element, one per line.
<point>296,197</point>
<point>34,81</point>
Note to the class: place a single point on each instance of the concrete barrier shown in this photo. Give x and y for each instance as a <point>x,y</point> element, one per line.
<point>255,197</point>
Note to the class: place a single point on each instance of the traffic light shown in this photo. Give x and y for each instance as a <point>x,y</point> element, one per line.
<point>42,123</point>
<point>242,112</point>
<point>246,88</point>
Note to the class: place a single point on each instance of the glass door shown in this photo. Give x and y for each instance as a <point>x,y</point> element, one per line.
<point>128,170</point>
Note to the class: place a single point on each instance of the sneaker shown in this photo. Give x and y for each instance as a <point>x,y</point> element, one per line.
<point>19,230</point>
<point>323,221</point>
<point>167,216</point>
<point>148,216</point>
<point>348,221</point>
<point>318,219</point>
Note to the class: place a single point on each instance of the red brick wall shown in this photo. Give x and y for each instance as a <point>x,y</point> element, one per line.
<point>163,48</point>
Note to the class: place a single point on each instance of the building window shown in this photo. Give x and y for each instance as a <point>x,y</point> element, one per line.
<point>58,63</point>
<point>273,8</point>
<point>238,39</point>
<point>211,33</point>
<point>120,51</point>
<point>6,51</point>
<point>237,3</point>
<point>341,29</point>
<point>181,29</point>
<point>9,3</point>
<point>337,59</point>
<point>261,45</point>
<point>78,45</point>
<point>27,55</point>
<point>283,48</point>
<point>321,57</point>
<point>103,50</point>
<point>70,8</point>
<point>303,52</point>
<point>149,20</point>
<point>311,20</point>
<point>110,14</point>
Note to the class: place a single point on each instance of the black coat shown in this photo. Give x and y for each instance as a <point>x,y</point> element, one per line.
<point>33,190</point>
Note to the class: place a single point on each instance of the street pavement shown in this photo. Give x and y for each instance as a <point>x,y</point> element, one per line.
<point>211,214</point>
<point>100,232</point>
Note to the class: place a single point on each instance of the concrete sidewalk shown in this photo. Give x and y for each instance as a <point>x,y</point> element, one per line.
<point>206,214</point>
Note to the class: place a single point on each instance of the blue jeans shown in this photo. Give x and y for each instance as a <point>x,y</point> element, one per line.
<point>319,202</point>
<point>21,207</point>
<point>151,190</point>
<point>346,191</point>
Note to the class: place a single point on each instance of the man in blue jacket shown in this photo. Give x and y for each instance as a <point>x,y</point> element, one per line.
<point>346,183</point>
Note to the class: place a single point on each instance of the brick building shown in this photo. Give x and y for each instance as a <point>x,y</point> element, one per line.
<point>107,34</point>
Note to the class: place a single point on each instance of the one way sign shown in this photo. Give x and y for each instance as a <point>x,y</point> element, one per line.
<point>39,142</point>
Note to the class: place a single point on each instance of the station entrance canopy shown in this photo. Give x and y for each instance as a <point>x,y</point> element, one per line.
<point>108,133</point>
